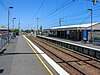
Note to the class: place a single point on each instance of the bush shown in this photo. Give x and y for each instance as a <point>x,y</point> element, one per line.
<point>16,31</point>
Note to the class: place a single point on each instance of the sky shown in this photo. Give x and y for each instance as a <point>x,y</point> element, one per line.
<point>48,13</point>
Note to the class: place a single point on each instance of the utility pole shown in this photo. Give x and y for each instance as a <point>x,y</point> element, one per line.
<point>19,24</point>
<point>13,22</point>
<point>37,24</point>
<point>28,29</point>
<point>60,20</point>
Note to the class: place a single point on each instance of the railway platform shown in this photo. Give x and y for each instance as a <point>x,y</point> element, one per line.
<point>88,49</point>
<point>17,58</point>
<point>74,42</point>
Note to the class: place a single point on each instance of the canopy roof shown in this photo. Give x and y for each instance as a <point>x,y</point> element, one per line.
<point>79,26</point>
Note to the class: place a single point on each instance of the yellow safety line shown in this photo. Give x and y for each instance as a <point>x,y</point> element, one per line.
<point>39,58</point>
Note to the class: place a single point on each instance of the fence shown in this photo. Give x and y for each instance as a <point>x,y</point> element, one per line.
<point>4,39</point>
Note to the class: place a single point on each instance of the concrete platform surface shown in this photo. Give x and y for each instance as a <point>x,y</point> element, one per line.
<point>19,59</point>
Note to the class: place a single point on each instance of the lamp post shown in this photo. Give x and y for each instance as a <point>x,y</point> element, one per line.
<point>8,21</point>
<point>91,23</point>
<point>13,22</point>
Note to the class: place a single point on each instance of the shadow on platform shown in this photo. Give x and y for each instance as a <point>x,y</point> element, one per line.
<point>19,53</point>
<point>1,70</point>
<point>3,51</point>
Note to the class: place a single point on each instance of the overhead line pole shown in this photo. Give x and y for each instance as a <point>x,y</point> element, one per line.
<point>59,21</point>
<point>19,24</point>
<point>13,22</point>
<point>37,24</point>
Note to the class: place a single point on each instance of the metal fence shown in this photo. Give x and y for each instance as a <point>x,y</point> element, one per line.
<point>4,39</point>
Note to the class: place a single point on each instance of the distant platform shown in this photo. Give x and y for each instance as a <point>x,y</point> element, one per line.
<point>88,49</point>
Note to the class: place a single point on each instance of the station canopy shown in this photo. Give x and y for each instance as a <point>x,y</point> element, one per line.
<point>95,26</point>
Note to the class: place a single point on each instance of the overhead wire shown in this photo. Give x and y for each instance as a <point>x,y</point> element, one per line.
<point>3,5</point>
<point>58,9</point>
<point>39,8</point>
<point>45,18</point>
<point>6,9</point>
<point>61,10</point>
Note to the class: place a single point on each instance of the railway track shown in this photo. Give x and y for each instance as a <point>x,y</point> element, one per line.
<point>80,59</point>
<point>73,63</point>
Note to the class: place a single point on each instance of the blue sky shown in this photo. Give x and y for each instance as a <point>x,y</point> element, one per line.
<point>48,12</point>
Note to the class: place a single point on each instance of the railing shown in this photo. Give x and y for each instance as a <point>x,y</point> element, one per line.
<point>4,39</point>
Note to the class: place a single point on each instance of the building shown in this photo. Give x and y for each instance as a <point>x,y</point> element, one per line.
<point>3,29</point>
<point>76,32</point>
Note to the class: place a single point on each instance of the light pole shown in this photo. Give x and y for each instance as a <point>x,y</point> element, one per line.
<point>91,23</point>
<point>8,21</point>
<point>13,22</point>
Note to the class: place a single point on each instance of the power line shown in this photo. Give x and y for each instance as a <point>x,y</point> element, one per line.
<point>39,8</point>
<point>3,5</point>
<point>62,7</point>
<point>58,9</point>
<point>5,8</point>
<point>83,18</point>
<point>60,12</point>
<point>80,14</point>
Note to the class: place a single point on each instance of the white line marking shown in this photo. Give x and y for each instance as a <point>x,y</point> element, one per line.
<point>59,69</point>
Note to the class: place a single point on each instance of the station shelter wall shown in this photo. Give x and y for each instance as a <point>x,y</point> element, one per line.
<point>68,34</point>
<point>76,35</point>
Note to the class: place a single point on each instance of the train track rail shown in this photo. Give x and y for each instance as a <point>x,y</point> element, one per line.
<point>53,51</point>
<point>89,59</point>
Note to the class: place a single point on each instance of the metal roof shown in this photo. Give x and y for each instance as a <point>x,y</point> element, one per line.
<point>3,28</point>
<point>77,26</point>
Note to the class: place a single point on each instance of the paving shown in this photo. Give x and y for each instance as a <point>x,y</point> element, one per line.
<point>17,58</point>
